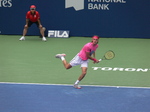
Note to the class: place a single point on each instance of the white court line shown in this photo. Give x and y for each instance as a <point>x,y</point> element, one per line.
<point>72,85</point>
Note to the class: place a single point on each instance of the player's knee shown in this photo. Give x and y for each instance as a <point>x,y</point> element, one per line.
<point>68,66</point>
<point>84,72</point>
<point>26,27</point>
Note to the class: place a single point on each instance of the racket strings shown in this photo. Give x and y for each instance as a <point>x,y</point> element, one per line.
<point>109,55</point>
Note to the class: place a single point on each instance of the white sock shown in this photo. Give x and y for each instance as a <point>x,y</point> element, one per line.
<point>62,58</point>
<point>77,82</point>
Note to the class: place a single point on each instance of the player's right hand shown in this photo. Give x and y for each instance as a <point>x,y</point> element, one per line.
<point>95,60</point>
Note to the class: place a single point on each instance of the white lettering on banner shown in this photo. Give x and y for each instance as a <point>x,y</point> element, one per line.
<point>98,6</point>
<point>58,33</point>
<point>108,1</point>
<point>5,3</point>
<point>121,69</point>
<point>91,4</point>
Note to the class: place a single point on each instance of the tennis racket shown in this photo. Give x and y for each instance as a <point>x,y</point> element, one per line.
<point>108,55</point>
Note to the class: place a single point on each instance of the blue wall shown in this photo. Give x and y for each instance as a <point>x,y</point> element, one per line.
<point>125,18</point>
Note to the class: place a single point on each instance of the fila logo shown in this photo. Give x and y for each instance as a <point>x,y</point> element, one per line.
<point>58,33</point>
<point>77,4</point>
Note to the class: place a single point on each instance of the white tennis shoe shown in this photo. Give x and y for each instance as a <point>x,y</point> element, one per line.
<point>59,55</point>
<point>22,38</point>
<point>77,86</point>
<point>44,39</point>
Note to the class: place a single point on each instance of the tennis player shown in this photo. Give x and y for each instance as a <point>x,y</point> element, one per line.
<point>87,52</point>
<point>33,16</point>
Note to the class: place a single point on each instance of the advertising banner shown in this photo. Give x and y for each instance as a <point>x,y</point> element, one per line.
<point>106,18</point>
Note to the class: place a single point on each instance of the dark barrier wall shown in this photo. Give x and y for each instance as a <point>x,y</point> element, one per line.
<point>107,18</point>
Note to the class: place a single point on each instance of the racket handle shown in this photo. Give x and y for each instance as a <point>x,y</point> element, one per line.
<point>100,60</point>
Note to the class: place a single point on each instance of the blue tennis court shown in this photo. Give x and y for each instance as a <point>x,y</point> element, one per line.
<point>64,98</point>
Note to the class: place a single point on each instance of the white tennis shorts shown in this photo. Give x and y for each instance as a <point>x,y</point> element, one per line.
<point>78,61</point>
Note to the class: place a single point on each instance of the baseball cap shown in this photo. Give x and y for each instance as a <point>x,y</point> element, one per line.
<point>33,6</point>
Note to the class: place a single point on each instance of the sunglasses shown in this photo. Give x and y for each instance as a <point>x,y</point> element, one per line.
<point>32,8</point>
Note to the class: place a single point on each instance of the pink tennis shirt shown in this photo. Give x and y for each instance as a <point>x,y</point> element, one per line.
<point>89,47</point>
